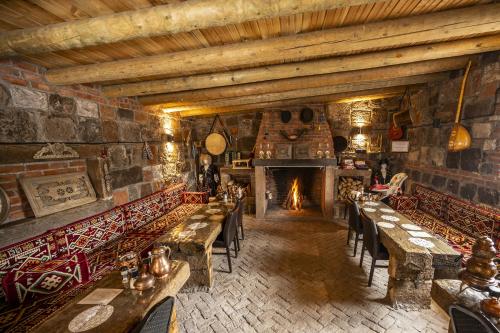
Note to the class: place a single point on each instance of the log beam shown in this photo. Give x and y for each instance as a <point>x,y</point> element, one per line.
<point>316,67</point>
<point>307,92</point>
<point>155,21</point>
<point>381,73</point>
<point>435,27</point>
<point>334,98</point>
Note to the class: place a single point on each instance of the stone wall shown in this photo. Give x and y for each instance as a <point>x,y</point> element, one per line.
<point>33,113</point>
<point>473,173</point>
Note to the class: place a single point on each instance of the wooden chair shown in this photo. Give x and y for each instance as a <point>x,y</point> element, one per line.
<point>354,224</point>
<point>371,242</point>
<point>465,321</point>
<point>241,209</point>
<point>228,236</point>
<point>158,319</point>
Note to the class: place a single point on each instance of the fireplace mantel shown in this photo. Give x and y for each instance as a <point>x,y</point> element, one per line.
<point>295,163</point>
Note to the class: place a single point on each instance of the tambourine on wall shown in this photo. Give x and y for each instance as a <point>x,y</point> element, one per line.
<point>216,142</point>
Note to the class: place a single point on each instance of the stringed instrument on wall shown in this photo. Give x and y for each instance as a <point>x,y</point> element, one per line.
<point>460,137</point>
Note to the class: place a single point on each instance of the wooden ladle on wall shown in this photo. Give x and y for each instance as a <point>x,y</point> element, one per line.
<point>460,137</point>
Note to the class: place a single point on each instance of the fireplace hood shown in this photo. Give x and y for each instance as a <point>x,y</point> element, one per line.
<point>295,163</point>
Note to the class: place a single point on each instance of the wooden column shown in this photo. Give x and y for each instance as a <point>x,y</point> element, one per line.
<point>328,194</point>
<point>260,192</point>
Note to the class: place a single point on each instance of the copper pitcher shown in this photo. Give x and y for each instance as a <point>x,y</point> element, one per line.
<point>160,264</point>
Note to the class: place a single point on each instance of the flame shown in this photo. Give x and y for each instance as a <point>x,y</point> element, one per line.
<point>296,195</point>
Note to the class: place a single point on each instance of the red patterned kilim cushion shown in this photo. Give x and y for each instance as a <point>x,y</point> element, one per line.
<point>172,196</point>
<point>195,197</point>
<point>144,210</point>
<point>47,278</point>
<point>431,202</point>
<point>90,233</point>
<point>403,202</point>
<point>472,220</point>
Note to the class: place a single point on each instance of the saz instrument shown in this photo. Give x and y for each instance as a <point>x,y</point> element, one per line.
<point>460,137</point>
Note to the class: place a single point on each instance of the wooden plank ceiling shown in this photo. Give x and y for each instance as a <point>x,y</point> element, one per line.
<point>24,14</point>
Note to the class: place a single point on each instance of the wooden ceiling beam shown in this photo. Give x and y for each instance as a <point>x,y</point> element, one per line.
<point>308,92</point>
<point>155,21</point>
<point>333,98</point>
<point>381,73</point>
<point>435,27</point>
<point>315,67</point>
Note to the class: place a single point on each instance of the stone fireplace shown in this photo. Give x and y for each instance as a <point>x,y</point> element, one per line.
<point>294,149</point>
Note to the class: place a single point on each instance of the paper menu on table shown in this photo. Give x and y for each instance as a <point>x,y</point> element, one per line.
<point>421,234</point>
<point>101,296</point>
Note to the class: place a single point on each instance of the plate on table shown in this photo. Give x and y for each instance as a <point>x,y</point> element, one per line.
<point>213,204</point>
<point>197,225</point>
<point>187,233</point>
<point>387,210</point>
<point>390,218</point>
<point>213,211</point>
<point>197,217</point>
<point>371,203</point>
<point>369,210</point>
<point>385,225</point>
<point>216,217</point>
<point>90,318</point>
<point>408,226</point>
<point>421,234</point>
<point>421,242</point>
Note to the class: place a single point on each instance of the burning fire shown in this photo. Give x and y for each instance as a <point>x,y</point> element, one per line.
<point>296,196</point>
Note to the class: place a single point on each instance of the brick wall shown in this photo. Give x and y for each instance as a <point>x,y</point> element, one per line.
<point>472,174</point>
<point>34,112</point>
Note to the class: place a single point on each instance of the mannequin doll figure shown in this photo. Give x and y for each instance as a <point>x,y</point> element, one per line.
<point>383,174</point>
<point>209,177</point>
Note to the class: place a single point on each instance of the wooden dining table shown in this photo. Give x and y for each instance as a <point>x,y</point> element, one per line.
<point>415,259</point>
<point>192,240</point>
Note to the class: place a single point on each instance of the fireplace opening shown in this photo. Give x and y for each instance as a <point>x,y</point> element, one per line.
<point>296,192</point>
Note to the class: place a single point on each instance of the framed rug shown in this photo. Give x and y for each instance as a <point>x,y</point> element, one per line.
<point>51,194</point>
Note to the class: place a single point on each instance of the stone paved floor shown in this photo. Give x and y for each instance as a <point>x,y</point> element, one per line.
<point>297,277</point>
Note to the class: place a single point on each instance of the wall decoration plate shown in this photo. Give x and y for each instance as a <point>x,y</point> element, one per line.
<point>410,227</point>
<point>4,205</point>
<point>301,151</point>
<point>283,151</point>
<point>390,218</point>
<point>421,242</point>
<point>385,225</point>
<point>52,194</point>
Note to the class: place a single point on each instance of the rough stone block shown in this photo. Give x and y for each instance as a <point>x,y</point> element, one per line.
<point>4,96</point>
<point>452,186</point>
<point>488,196</point>
<point>28,98</point>
<point>59,105</point>
<point>59,129</point>
<point>129,131</point>
<point>110,131</point>
<point>470,159</point>
<point>18,125</point>
<point>438,181</point>
<point>489,144</point>
<point>481,130</point>
<point>468,191</point>
<point>118,157</point>
<point>437,156</point>
<point>86,108</point>
<point>121,178</point>
<point>474,108</point>
<point>125,114</point>
<point>90,130</point>
<point>453,160</point>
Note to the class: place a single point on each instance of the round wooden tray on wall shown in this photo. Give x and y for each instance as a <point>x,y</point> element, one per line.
<point>4,205</point>
<point>215,143</point>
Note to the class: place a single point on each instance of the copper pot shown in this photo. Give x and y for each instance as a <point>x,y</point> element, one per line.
<point>145,280</point>
<point>160,265</point>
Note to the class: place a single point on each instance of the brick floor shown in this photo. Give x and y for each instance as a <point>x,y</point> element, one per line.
<point>298,277</point>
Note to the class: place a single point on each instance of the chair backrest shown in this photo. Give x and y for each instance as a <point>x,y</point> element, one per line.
<point>397,180</point>
<point>241,208</point>
<point>230,226</point>
<point>354,221</point>
<point>158,319</point>
<point>465,321</point>
<point>370,235</point>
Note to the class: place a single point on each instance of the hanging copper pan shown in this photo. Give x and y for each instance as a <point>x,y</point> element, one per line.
<point>460,137</point>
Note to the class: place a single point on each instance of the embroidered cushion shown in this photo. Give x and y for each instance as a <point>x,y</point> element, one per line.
<point>403,202</point>
<point>90,233</point>
<point>431,202</point>
<point>46,278</point>
<point>195,197</point>
<point>173,196</point>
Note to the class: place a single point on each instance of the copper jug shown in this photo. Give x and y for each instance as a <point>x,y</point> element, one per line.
<point>145,280</point>
<point>160,264</point>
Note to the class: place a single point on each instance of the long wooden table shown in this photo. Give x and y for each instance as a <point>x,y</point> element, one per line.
<point>412,267</point>
<point>129,307</point>
<point>197,249</point>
